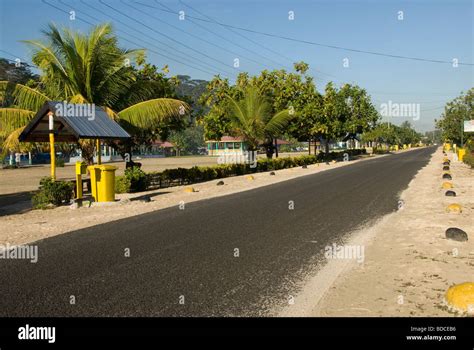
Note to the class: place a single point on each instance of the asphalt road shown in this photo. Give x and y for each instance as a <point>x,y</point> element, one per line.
<point>190,253</point>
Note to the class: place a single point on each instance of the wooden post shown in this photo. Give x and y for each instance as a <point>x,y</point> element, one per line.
<point>51,146</point>
<point>99,155</point>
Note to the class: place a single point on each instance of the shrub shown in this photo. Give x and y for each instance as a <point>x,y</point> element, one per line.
<point>380,151</point>
<point>52,192</point>
<point>137,178</point>
<point>265,164</point>
<point>223,170</point>
<point>469,159</point>
<point>122,184</point>
<point>60,162</point>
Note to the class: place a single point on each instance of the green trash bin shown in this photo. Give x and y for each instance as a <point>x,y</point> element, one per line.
<point>103,182</point>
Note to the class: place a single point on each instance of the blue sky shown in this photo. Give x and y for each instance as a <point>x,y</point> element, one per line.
<point>439,30</point>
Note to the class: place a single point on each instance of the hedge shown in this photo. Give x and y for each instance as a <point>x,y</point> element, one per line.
<point>185,176</point>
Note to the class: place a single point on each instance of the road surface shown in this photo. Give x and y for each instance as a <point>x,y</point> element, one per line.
<point>185,263</point>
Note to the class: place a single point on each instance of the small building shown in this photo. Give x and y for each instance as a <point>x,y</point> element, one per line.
<point>227,144</point>
<point>230,144</point>
<point>164,148</point>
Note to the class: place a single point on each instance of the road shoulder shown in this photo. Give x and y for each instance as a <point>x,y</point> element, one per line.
<point>408,263</point>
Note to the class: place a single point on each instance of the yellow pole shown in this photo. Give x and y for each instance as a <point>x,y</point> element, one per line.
<point>78,186</point>
<point>99,155</point>
<point>51,146</point>
<point>78,180</point>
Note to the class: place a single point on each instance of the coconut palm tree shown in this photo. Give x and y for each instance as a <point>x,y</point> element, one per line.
<point>89,68</point>
<point>252,119</point>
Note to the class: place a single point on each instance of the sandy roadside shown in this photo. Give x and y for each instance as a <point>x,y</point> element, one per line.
<point>39,224</point>
<point>408,263</point>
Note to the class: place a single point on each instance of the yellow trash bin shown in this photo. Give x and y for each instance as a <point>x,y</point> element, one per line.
<point>461,153</point>
<point>103,182</point>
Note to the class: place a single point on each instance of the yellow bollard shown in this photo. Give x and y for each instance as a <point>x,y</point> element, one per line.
<point>461,297</point>
<point>454,208</point>
<point>80,169</point>
<point>78,186</point>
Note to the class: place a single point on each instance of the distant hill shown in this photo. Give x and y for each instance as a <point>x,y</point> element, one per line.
<point>21,74</point>
<point>191,87</point>
<point>191,90</point>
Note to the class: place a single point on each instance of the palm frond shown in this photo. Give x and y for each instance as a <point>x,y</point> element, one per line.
<point>78,98</point>
<point>13,118</point>
<point>237,112</point>
<point>24,96</point>
<point>149,114</point>
<point>111,113</point>
<point>12,144</point>
<point>278,123</point>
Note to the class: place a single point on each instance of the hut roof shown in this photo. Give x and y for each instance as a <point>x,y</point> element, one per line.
<point>72,122</point>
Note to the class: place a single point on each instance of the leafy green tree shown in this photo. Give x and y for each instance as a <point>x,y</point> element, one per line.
<point>329,116</point>
<point>408,135</point>
<point>89,68</point>
<point>252,118</point>
<point>390,134</point>
<point>455,112</point>
<point>188,141</point>
<point>359,112</point>
<point>283,90</point>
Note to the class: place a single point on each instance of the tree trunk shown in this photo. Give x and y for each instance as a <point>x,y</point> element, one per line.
<point>269,151</point>
<point>276,148</point>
